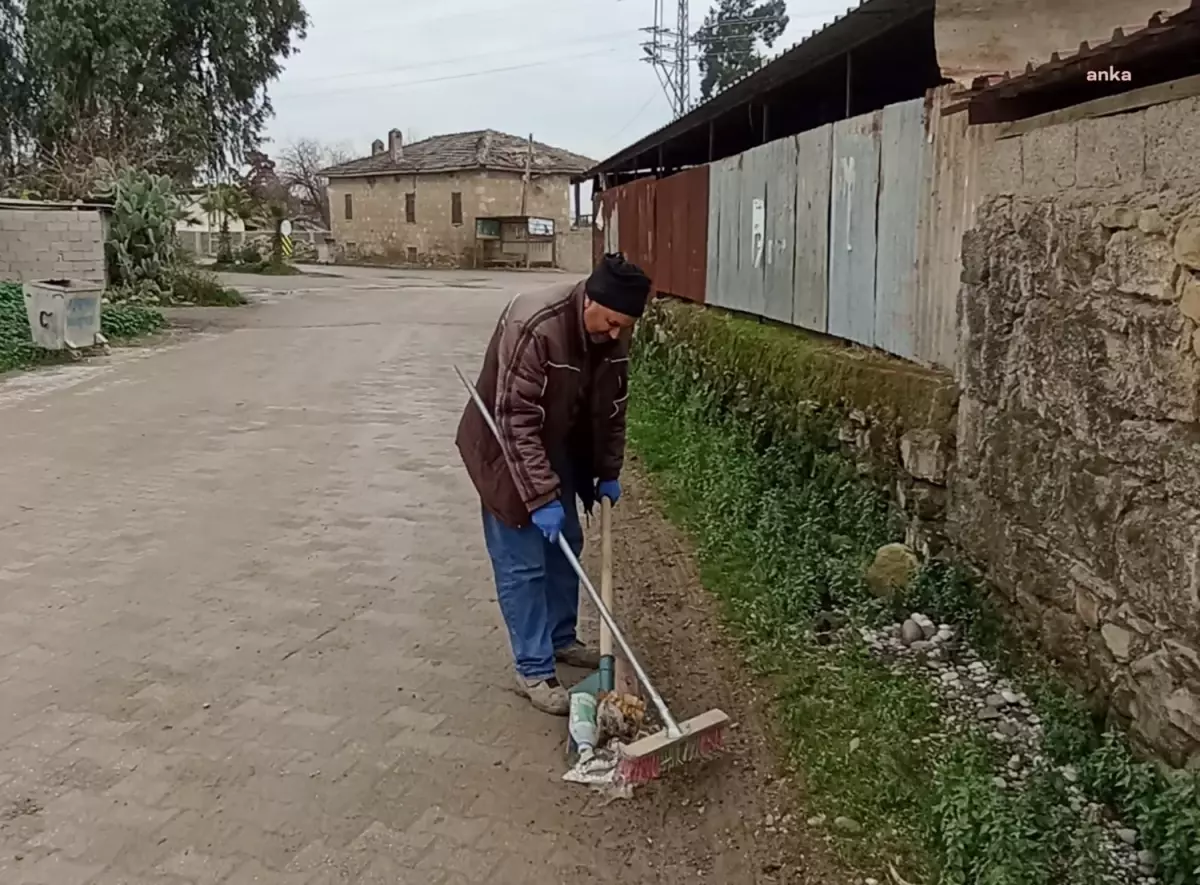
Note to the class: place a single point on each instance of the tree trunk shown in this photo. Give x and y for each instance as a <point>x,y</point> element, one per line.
<point>225,243</point>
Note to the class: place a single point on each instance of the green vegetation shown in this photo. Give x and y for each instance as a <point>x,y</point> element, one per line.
<point>117,321</point>
<point>163,85</point>
<point>189,285</point>
<point>737,423</point>
<point>129,321</point>
<point>144,258</point>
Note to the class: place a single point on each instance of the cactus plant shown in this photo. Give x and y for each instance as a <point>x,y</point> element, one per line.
<point>141,244</point>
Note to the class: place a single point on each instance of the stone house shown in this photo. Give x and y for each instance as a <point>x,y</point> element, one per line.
<point>417,203</point>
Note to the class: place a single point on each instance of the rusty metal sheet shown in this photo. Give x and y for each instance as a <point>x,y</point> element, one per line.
<point>635,204</point>
<point>903,185</point>
<point>810,274</point>
<point>681,234</point>
<point>853,226</point>
<point>606,230</point>
<point>980,38</point>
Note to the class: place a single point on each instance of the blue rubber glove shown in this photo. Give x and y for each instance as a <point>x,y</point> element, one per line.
<point>550,518</point>
<point>609,488</point>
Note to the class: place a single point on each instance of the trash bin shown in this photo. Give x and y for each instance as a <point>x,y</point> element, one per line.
<point>63,313</point>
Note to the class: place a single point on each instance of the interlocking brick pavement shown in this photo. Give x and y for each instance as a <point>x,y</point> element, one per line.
<point>247,629</point>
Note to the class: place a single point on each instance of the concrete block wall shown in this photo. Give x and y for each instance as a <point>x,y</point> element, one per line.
<point>40,241</point>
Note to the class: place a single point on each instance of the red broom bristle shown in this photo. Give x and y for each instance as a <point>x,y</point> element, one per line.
<point>643,769</point>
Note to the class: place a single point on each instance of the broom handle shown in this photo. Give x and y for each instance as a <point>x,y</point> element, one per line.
<point>673,730</point>
<point>606,572</point>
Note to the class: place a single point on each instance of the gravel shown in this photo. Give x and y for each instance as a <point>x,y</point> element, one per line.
<point>973,695</point>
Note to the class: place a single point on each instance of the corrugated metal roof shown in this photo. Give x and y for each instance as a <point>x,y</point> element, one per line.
<point>1182,25</point>
<point>858,25</point>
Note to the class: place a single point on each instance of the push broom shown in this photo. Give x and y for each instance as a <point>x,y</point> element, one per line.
<point>676,743</point>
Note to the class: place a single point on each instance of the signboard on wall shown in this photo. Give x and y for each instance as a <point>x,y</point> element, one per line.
<point>758,228</point>
<point>541,227</point>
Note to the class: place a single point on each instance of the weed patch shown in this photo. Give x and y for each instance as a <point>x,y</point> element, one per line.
<point>785,523</point>
<point>267,268</point>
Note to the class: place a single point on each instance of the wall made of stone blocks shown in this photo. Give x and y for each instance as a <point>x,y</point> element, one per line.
<point>40,242</point>
<point>378,227</point>
<point>1077,476</point>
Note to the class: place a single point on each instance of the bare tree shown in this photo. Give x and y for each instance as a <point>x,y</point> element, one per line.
<point>300,172</point>
<point>77,166</point>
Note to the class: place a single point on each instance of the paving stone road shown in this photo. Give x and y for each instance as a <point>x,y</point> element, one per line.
<point>247,632</point>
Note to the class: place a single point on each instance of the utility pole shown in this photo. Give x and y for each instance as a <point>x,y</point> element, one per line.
<point>525,178</point>
<point>525,197</point>
<point>669,52</point>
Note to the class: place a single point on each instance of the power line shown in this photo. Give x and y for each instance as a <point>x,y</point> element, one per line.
<point>635,117</point>
<point>597,38</point>
<point>460,76</point>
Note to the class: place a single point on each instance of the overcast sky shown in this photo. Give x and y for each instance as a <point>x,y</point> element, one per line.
<point>567,71</point>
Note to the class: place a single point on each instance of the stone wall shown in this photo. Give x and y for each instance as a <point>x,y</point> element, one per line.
<point>40,241</point>
<point>378,228</point>
<point>1077,475</point>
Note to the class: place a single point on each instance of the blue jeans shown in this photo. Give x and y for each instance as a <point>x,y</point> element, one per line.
<point>537,589</point>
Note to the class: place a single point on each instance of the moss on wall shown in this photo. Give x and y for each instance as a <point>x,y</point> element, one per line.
<point>788,373</point>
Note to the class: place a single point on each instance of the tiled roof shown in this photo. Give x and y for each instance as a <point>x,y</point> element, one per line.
<point>1119,47</point>
<point>485,149</point>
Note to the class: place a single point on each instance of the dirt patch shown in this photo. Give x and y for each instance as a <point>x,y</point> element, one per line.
<point>738,818</point>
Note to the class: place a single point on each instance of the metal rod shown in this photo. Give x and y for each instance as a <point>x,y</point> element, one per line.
<point>673,730</point>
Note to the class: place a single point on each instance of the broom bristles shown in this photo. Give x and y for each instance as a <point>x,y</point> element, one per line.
<point>647,759</point>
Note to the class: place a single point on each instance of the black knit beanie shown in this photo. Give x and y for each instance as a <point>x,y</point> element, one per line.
<point>619,285</point>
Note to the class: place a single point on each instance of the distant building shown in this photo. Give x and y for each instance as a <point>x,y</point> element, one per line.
<point>418,203</point>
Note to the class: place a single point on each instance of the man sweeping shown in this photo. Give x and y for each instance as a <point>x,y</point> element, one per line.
<point>555,379</point>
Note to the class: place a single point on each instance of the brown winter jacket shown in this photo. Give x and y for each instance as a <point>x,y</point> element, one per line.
<point>553,394</point>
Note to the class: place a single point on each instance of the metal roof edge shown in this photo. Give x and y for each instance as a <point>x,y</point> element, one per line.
<point>1034,76</point>
<point>822,44</point>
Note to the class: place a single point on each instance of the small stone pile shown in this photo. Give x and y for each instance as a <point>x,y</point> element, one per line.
<point>975,696</point>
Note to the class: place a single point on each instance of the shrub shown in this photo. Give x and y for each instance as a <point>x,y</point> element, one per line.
<point>192,286</point>
<point>249,254</point>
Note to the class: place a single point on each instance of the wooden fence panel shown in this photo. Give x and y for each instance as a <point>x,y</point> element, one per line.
<point>778,163</point>
<point>951,198</point>
<point>723,231</point>
<point>810,284</point>
<point>852,235</point>
<point>903,183</point>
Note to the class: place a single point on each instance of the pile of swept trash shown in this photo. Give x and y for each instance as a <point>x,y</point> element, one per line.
<point>599,726</point>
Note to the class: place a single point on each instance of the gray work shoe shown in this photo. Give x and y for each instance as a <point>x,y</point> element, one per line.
<point>578,655</point>
<point>546,695</point>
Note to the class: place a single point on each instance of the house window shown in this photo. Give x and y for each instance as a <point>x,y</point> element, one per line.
<point>349,206</point>
<point>410,208</point>
<point>456,208</point>
<point>412,254</point>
